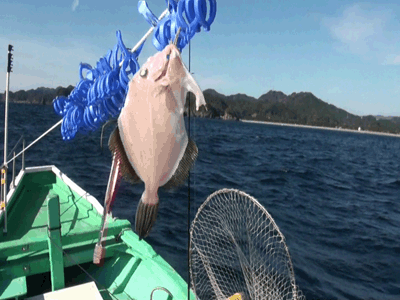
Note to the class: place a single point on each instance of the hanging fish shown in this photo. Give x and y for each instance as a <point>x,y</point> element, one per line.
<point>150,143</point>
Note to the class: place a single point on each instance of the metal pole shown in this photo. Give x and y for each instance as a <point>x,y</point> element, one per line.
<point>6,120</point>
<point>13,173</point>
<point>10,48</point>
<point>23,154</point>
<point>1,192</point>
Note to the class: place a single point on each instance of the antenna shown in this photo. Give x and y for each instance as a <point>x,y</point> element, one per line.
<point>3,204</point>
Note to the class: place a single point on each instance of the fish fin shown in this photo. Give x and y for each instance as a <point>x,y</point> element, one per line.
<point>112,121</point>
<point>184,166</point>
<point>191,85</point>
<point>115,145</point>
<point>146,215</point>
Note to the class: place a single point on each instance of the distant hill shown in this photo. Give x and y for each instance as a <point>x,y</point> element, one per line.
<point>272,96</point>
<point>274,106</point>
<point>40,95</point>
<point>298,108</point>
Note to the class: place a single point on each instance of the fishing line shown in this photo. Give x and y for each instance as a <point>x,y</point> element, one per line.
<point>188,215</point>
<point>86,272</point>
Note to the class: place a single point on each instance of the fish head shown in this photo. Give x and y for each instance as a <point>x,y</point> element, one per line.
<point>166,66</point>
<point>166,69</point>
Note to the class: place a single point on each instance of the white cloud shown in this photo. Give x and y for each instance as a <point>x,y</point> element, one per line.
<point>366,31</point>
<point>75,4</point>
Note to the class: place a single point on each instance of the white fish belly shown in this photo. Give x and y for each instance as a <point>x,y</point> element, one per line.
<point>154,137</point>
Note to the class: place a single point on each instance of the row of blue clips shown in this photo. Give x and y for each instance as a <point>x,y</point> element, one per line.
<point>100,94</point>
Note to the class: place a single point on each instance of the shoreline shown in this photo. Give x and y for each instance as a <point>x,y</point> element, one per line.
<point>321,127</point>
<point>24,102</point>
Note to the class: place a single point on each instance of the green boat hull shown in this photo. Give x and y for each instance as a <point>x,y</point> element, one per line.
<point>52,229</point>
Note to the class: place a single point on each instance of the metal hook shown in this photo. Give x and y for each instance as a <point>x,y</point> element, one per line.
<point>177,36</point>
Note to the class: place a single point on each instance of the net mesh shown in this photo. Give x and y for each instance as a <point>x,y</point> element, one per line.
<point>236,247</point>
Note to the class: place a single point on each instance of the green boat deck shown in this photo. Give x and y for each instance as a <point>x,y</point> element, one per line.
<point>35,247</point>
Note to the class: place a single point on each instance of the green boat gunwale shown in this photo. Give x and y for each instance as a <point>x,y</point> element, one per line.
<point>76,188</point>
<point>132,269</point>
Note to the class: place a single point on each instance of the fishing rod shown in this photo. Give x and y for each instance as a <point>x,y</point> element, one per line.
<point>188,208</point>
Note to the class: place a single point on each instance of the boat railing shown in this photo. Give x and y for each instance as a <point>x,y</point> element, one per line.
<point>22,163</point>
<point>4,170</point>
<point>30,145</point>
<point>12,152</point>
<point>4,166</point>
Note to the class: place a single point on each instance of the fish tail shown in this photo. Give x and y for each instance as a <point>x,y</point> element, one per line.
<point>146,215</point>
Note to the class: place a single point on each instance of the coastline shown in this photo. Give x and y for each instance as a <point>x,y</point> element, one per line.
<point>324,128</point>
<point>24,102</point>
<point>253,121</point>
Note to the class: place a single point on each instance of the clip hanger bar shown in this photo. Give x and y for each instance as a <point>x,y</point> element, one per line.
<point>146,35</point>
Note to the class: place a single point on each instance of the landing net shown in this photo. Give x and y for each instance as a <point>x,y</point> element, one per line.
<point>236,247</point>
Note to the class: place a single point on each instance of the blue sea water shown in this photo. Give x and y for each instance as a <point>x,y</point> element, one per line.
<point>334,195</point>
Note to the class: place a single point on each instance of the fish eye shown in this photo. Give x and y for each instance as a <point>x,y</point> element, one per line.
<point>143,72</point>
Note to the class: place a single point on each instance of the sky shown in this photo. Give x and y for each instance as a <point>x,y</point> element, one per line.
<point>345,53</point>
